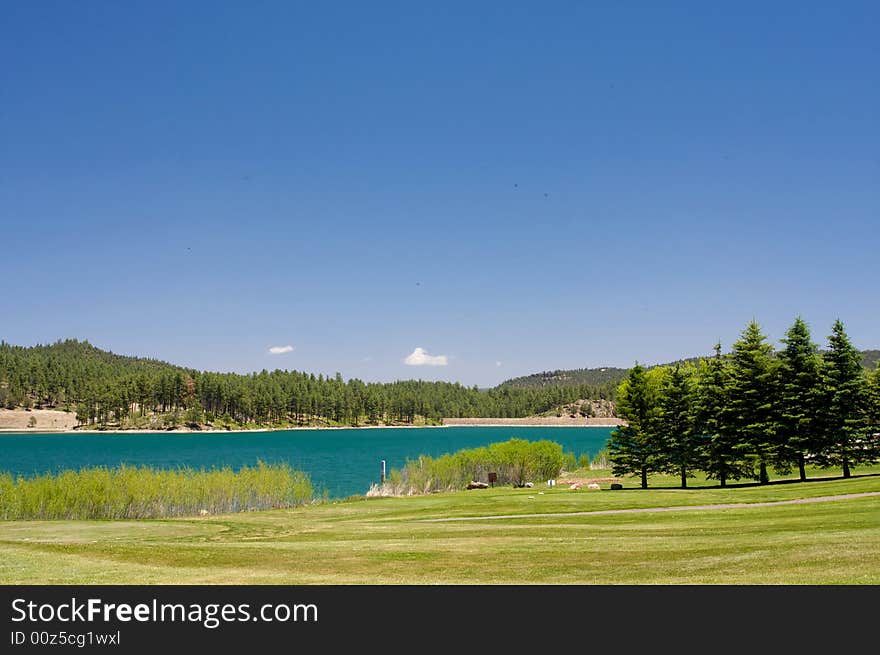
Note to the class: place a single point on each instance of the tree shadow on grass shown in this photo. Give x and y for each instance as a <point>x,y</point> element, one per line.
<point>743,485</point>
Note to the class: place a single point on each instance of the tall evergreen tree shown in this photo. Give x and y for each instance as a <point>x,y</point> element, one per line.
<point>750,409</point>
<point>872,434</point>
<point>721,459</point>
<point>874,402</point>
<point>633,447</point>
<point>680,446</point>
<point>846,405</point>
<point>800,395</point>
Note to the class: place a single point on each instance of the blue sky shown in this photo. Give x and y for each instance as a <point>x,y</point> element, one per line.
<point>511,187</point>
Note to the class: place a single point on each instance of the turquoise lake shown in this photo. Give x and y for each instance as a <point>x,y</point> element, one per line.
<point>341,462</point>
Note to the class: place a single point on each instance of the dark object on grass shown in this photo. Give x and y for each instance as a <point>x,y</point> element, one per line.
<point>477,485</point>
<point>616,485</point>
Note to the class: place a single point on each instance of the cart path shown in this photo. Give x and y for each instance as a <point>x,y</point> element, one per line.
<point>649,510</point>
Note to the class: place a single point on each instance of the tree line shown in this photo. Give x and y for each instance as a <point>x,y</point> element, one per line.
<point>104,389</point>
<point>736,415</point>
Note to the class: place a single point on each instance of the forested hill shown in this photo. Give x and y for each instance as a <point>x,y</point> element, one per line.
<point>105,389</point>
<point>605,377</point>
<point>609,376</point>
<point>83,357</point>
<point>572,377</point>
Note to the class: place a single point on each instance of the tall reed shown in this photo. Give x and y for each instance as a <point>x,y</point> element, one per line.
<point>129,492</point>
<point>514,462</point>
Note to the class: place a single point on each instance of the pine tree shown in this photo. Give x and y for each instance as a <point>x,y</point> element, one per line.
<point>845,407</point>
<point>633,447</point>
<point>872,437</point>
<point>874,402</point>
<point>680,449</point>
<point>800,395</point>
<point>720,458</point>
<point>750,408</point>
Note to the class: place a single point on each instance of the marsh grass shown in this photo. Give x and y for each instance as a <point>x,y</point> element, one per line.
<point>145,493</point>
<point>515,461</point>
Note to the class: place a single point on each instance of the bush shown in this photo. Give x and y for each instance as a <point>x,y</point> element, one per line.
<point>194,417</point>
<point>516,461</point>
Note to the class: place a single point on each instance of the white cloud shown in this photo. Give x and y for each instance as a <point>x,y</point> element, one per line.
<point>280,350</point>
<point>420,357</point>
<point>497,363</point>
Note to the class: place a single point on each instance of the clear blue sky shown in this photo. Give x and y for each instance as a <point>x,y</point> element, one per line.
<point>514,186</point>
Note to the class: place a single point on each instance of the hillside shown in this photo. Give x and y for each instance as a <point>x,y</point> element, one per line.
<point>568,378</point>
<point>609,375</point>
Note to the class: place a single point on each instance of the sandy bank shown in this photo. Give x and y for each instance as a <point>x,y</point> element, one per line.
<point>537,421</point>
<point>48,420</point>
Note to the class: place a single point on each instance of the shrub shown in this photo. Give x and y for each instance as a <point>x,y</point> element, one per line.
<point>601,460</point>
<point>516,461</point>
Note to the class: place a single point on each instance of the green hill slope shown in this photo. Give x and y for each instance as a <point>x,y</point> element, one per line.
<point>609,375</point>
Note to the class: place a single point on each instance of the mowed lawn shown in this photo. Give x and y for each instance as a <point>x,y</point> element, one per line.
<point>393,540</point>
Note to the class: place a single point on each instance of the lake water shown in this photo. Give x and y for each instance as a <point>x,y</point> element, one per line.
<point>342,462</point>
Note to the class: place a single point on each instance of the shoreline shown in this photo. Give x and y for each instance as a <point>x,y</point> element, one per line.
<point>50,421</point>
<point>536,421</point>
<point>531,422</point>
<point>206,431</point>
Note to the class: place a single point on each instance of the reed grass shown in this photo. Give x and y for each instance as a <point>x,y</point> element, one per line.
<point>515,462</point>
<point>128,492</point>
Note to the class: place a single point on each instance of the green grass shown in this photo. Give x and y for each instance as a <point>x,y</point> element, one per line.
<point>386,541</point>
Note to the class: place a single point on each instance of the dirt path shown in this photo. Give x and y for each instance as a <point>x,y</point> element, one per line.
<point>650,510</point>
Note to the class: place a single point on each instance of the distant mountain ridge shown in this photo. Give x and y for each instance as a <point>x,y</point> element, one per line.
<point>613,375</point>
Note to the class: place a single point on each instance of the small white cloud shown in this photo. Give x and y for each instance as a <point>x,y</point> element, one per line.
<point>497,363</point>
<point>368,358</point>
<point>420,357</point>
<point>280,350</point>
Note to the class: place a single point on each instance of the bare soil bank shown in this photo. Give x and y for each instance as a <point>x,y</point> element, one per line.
<point>47,420</point>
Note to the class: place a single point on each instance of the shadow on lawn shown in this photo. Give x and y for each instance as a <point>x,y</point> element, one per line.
<point>741,485</point>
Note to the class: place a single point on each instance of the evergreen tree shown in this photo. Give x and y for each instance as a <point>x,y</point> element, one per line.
<point>680,449</point>
<point>845,407</point>
<point>800,395</point>
<point>633,448</point>
<point>750,408</point>
<point>872,434</point>
<point>720,458</point>
<point>874,402</point>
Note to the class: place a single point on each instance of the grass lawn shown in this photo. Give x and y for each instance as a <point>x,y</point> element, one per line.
<point>388,540</point>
